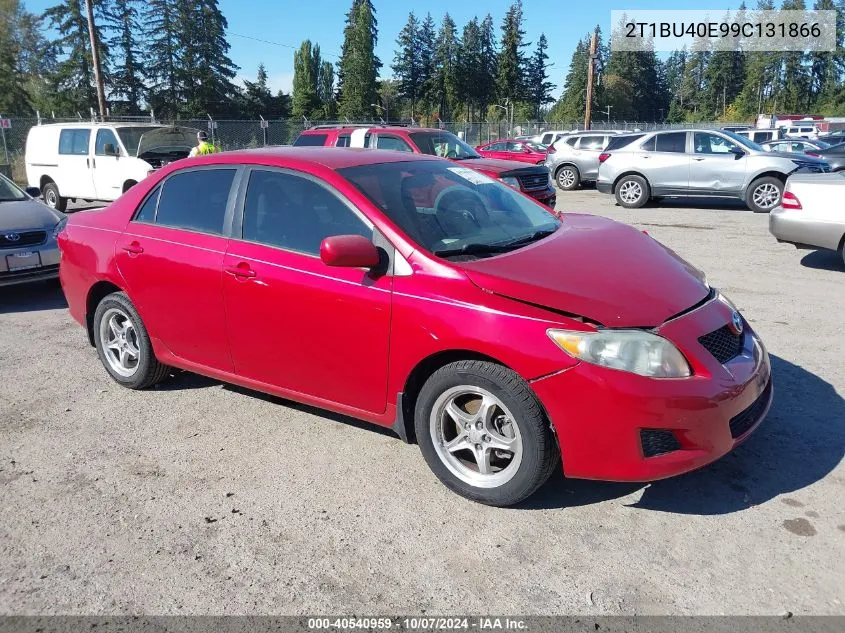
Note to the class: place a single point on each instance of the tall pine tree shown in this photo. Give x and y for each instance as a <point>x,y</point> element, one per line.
<point>510,79</point>
<point>127,84</point>
<point>539,89</point>
<point>162,56</point>
<point>306,68</point>
<point>444,83</point>
<point>358,66</point>
<point>406,62</point>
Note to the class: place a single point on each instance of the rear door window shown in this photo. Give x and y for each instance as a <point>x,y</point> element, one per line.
<point>393,142</point>
<point>196,200</point>
<point>310,140</point>
<point>547,139</point>
<point>74,142</point>
<point>571,141</point>
<point>591,143</point>
<point>675,142</point>
<point>617,142</point>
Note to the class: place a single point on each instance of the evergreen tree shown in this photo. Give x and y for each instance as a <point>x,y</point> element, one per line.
<point>510,79</point>
<point>73,80</point>
<point>827,68</point>
<point>126,81</point>
<point>675,66</point>
<point>572,103</point>
<point>634,85</point>
<point>539,89</point>
<point>489,64</point>
<point>427,48</point>
<point>762,70</point>
<point>162,56</point>
<point>325,91</point>
<point>469,67</point>
<point>445,60</point>
<point>358,65</point>
<point>257,99</point>
<point>795,79</point>
<point>205,71</point>
<point>406,62</point>
<point>306,68</point>
<point>14,98</point>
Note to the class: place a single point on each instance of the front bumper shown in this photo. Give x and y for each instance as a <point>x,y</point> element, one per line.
<point>48,256</point>
<point>547,196</point>
<point>598,414</point>
<point>604,187</point>
<point>796,228</point>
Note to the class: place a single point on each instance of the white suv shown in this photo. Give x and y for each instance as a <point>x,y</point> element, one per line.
<point>99,161</point>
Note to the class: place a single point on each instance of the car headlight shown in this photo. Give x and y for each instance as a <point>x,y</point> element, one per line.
<point>58,228</point>
<point>510,181</point>
<point>636,351</point>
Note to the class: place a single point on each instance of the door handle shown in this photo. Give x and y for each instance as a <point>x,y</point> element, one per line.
<point>88,163</point>
<point>241,270</point>
<point>134,248</point>
<point>698,158</point>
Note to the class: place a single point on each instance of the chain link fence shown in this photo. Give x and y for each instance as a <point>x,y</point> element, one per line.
<point>240,134</point>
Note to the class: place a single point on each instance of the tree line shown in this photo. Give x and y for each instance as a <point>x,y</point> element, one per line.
<point>172,56</point>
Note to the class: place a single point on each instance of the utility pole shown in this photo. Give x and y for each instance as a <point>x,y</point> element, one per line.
<point>95,56</point>
<point>591,69</point>
<point>608,113</point>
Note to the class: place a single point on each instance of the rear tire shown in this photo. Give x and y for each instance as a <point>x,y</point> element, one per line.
<point>764,194</point>
<point>568,177</point>
<point>483,433</point>
<point>123,344</point>
<point>52,198</point>
<point>632,192</point>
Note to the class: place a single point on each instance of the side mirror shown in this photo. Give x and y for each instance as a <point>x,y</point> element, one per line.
<point>33,192</point>
<point>737,152</point>
<point>110,150</point>
<point>349,251</point>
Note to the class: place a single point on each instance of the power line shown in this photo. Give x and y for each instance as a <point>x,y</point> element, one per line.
<point>258,39</point>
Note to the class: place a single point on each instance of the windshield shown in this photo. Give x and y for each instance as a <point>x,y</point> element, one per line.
<point>443,144</point>
<point>743,141</point>
<point>9,191</point>
<point>131,136</point>
<point>451,210</point>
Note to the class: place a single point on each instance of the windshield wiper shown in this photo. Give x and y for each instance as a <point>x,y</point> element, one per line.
<point>465,157</point>
<point>473,248</point>
<point>531,237</point>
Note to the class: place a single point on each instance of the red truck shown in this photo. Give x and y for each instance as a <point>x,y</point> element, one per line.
<point>531,180</point>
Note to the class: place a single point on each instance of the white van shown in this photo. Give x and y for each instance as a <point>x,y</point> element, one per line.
<point>99,161</point>
<point>810,132</point>
<point>760,136</point>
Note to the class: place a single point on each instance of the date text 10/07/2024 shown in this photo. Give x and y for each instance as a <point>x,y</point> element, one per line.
<point>421,623</point>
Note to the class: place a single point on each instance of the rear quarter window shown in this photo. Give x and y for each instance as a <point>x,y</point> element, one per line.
<point>310,140</point>
<point>618,142</point>
<point>195,200</point>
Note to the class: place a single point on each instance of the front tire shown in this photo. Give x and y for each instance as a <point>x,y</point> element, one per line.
<point>52,198</point>
<point>568,177</point>
<point>764,194</point>
<point>483,433</point>
<point>123,344</point>
<point>632,192</point>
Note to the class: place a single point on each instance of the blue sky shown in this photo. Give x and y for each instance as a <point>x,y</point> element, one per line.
<point>289,22</point>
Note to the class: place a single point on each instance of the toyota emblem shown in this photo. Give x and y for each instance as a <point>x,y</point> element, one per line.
<point>12,237</point>
<point>736,323</point>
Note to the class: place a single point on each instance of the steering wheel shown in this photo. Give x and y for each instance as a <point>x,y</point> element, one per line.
<point>459,211</point>
<point>451,154</point>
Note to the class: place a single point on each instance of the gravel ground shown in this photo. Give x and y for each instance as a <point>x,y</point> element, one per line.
<point>199,497</point>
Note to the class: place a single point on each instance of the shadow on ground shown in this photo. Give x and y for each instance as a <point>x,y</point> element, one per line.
<point>823,260</point>
<point>715,204</point>
<point>32,297</point>
<point>799,443</point>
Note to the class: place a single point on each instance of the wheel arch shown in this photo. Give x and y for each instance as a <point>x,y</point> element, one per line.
<point>96,293</point>
<point>131,182</point>
<point>45,179</point>
<point>765,174</point>
<point>407,399</point>
<point>631,172</point>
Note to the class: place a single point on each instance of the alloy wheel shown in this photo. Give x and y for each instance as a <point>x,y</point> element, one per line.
<point>566,178</point>
<point>766,196</point>
<point>119,341</point>
<point>475,436</point>
<point>50,198</point>
<point>630,191</point>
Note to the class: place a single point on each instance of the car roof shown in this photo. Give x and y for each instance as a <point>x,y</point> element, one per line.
<point>331,157</point>
<point>87,124</point>
<point>377,128</point>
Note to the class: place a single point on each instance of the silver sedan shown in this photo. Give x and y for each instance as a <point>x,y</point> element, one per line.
<point>811,213</point>
<point>28,231</point>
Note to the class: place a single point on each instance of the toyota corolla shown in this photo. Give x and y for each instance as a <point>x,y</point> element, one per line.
<point>423,296</point>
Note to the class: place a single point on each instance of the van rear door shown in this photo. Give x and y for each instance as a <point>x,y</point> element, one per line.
<point>74,177</point>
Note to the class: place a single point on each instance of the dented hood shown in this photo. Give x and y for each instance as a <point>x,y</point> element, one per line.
<point>596,268</point>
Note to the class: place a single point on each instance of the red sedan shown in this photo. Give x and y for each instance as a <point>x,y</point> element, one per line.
<point>511,149</point>
<point>426,297</point>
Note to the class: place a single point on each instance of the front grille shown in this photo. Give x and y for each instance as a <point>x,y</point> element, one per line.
<point>534,181</point>
<point>742,422</point>
<point>723,344</point>
<point>658,442</point>
<point>25,238</point>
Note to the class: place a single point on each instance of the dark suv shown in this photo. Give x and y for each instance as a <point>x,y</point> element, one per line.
<point>532,180</point>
